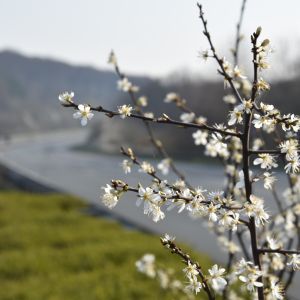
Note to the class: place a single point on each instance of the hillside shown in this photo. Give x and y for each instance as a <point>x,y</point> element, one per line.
<point>29,88</point>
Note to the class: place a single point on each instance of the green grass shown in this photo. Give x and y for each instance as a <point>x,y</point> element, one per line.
<point>49,249</point>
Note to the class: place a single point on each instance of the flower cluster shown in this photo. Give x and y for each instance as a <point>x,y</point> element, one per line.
<point>290,149</point>
<point>249,274</point>
<point>235,212</point>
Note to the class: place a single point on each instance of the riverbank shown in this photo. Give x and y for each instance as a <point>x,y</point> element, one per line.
<point>51,249</point>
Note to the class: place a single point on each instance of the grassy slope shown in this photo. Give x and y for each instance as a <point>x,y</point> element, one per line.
<point>50,250</point>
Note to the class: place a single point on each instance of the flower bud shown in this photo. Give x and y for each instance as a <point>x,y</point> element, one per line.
<point>258,31</point>
<point>265,43</point>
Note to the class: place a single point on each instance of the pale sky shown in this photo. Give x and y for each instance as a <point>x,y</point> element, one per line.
<point>149,37</point>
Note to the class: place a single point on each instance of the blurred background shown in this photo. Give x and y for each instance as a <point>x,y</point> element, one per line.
<point>48,47</point>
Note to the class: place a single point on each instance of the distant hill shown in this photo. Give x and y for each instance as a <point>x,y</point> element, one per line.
<point>29,88</point>
<point>204,97</point>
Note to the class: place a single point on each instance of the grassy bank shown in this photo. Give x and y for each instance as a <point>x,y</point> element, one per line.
<point>50,249</point>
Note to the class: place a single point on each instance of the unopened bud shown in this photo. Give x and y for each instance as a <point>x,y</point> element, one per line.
<point>130,153</point>
<point>258,31</point>
<point>158,143</point>
<point>166,117</point>
<point>265,43</point>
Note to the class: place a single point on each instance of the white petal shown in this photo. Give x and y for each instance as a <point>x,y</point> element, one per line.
<point>139,201</point>
<point>77,115</point>
<point>81,107</point>
<point>90,115</point>
<point>83,121</point>
<point>257,161</point>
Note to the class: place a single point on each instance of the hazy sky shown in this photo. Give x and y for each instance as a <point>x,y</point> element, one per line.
<point>150,37</point>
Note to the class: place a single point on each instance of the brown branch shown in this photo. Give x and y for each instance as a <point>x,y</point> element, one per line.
<point>246,165</point>
<point>156,143</point>
<point>186,258</point>
<point>280,251</point>
<point>216,57</point>
<point>265,151</point>
<point>162,120</point>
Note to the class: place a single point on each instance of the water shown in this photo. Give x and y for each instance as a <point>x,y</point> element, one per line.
<point>48,159</point>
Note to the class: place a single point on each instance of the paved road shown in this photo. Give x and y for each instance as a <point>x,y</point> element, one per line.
<point>48,158</point>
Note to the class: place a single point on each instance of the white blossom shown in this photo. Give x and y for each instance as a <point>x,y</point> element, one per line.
<point>269,180</point>
<point>216,277</point>
<point>251,281</point>
<point>187,117</point>
<point>229,219</point>
<point>229,99</point>
<point>110,197</point>
<point>142,101</point>
<point>290,148</point>
<point>294,261</point>
<point>257,144</point>
<point>125,111</point>
<point>190,270</point>
<point>293,165</point>
<point>163,278</point>
<point>126,165</point>
<point>164,166</point>
<point>242,266</point>
<point>228,246</point>
<point>156,213</point>
<point>211,210</point>
<point>292,123</point>
<point>126,86</point>
<point>266,161</point>
<point>201,120</point>
<point>151,203</point>
<point>256,209</point>
<point>216,196</point>
<point>170,97</point>
<point>238,73</point>
<point>247,106</point>
<point>66,98</point>
<point>261,121</point>
<point>149,115</point>
<point>194,286</point>
<point>262,85</point>
<point>83,113</point>
<point>146,265</point>
<point>162,188</point>
<point>149,198</point>
<point>236,116</point>
<point>277,290</point>
<point>200,137</point>
<point>266,108</point>
<point>273,243</point>
<point>146,167</point>
<point>167,238</point>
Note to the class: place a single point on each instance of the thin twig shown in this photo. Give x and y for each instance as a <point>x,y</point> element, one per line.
<point>238,37</point>
<point>279,251</point>
<point>186,258</point>
<point>156,143</point>
<point>162,120</point>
